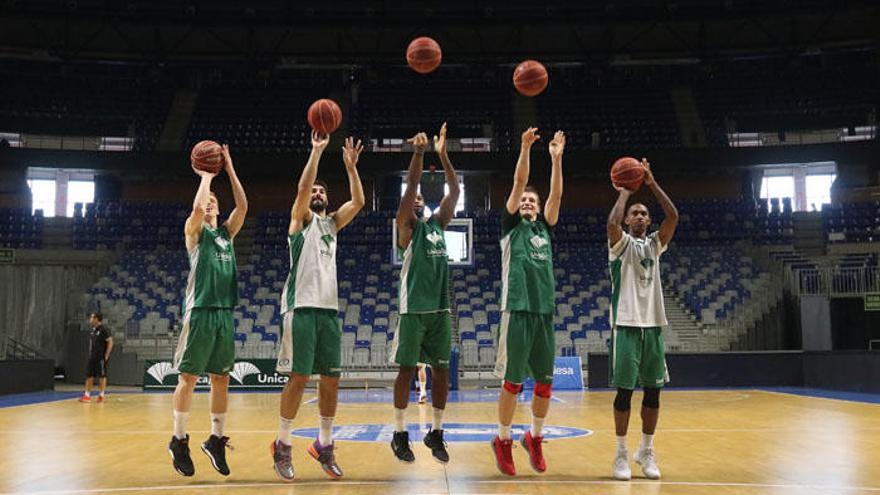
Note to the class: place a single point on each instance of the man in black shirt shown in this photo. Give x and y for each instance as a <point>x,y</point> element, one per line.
<point>100,346</point>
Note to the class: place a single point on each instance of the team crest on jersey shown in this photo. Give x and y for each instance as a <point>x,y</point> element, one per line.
<point>328,239</point>
<point>538,242</point>
<point>647,263</point>
<point>222,243</point>
<point>434,237</point>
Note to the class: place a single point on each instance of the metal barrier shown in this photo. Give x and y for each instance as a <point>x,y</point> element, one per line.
<point>834,281</point>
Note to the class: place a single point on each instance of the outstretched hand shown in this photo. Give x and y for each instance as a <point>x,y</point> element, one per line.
<point>649,176</point>
<point>319,141</point>
<point>419,142</point>
<point>529,136</point>
<point>557,145</point>
<point>440,141</point>
<point>351,152</point>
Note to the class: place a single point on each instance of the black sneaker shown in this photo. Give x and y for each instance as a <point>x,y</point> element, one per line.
<point>215,448</point>
<point>180,458</point>
<point>434,441</point>
<point>400,447</point>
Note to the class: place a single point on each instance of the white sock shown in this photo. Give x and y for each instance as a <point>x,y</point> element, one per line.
<point>399,419</point>
<point>438,419</point>
<point>421,388</point>
<point>218,422</point>
<point>621,443</point>
<point>101,393</point>
<point>647,441</point>
<point>325,435</point>
<point>284,427</point>
<point>86,394</point>
<point>180,419</point>
<point>504,432</point>
<point>537,426</point>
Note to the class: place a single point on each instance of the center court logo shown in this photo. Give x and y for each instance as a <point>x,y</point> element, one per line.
<point>452,432</point>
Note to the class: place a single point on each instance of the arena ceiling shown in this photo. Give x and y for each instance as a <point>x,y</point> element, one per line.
<point>352,32</point>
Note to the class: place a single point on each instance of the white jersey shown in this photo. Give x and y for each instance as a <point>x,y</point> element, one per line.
<point>311,282</point>
<point>636,291</point>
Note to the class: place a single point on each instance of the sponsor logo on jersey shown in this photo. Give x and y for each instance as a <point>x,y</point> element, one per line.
<point>221,243</point>
<point>328,241</point>
<point>538,242</point>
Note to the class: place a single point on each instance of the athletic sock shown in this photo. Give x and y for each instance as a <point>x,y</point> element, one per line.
<point>621,443</point>
<point>437,424</point>
<point>399,419</point>
<point>504,432</point>
<point>325,435</point>
<point>284,427</point>
<point>537,426</point>
<point>180,419</point>
<point>218,422</point>
<point>647,441</point>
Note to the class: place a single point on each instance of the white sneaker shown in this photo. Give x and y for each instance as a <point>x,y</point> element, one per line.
<point>648,460</point>
<point>621,466</point>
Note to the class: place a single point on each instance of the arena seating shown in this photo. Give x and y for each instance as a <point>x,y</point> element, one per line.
<point>707,278</point>
<point>21,229</point>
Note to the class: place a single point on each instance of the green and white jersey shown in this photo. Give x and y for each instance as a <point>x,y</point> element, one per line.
<point>424,276</point>
<point>636,291</point>
<point>311,282</point>
<point>211,282</point>
<point>527,280</point>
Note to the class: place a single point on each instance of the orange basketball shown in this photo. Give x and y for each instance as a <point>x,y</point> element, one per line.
<point>207,156</point>
<point>423,55</point>
<point>325,116</point>
<point>627,172</point>
<point>530,78</point>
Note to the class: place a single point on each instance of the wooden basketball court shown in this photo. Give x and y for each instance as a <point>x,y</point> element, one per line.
<point>709,441</point>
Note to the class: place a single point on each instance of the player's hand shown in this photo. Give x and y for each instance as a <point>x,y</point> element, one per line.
<point>419,142</point>
<point>319,141</point>
<point>227,158</point>
<point>203,173</point>
<point>557,145</point>
<point>351,152</point>
<point>530,136</point>
<point>440,141</point>
<point>649,176</point>
<point>621,189</point>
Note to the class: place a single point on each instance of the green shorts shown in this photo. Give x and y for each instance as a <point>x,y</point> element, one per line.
<point>207,342</point>
<point>638,356</point>
<point>526,347</point>
<point>423,338</point>
<point>311,341</point>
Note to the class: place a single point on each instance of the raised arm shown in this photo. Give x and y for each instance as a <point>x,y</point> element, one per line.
<point>447,204</point>
<point>554,199</point>
<point>615,218</point>
<point>670,212</point>
<point>300,213</point>
<point>236,218</point>
<point>346,213</point>
<point>193,227</point>
<point>405,217</point>
<point>521,175</point>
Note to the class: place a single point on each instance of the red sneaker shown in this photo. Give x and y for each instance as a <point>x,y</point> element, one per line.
<point>85,398</point>
<point>536,455</point>
<point>504,455</point>
<point>100,399</point>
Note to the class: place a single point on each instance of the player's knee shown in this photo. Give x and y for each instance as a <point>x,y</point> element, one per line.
<point>543,390</point>
<point>298,379</point>
<point>188,379</point>
<point>652,398</point>
<point>623,400</point>
<point>219,379</point>
<point>513,388</point>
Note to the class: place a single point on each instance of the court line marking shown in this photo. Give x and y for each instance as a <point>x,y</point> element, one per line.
<point>716,484</point>
<point>805,396</point>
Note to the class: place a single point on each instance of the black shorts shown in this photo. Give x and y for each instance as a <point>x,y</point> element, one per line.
<point>97,368</point>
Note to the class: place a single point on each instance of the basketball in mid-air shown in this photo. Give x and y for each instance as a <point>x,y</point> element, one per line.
<point>423,55</point>
<point>627,172</point>
<point>207,156</point>
<point>325,116</point>
<point>530,78</point>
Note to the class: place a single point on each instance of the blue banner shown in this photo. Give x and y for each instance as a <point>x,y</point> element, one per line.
<point>567,375</point>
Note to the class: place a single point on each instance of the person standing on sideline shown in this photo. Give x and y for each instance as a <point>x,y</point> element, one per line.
<point>100,347</point>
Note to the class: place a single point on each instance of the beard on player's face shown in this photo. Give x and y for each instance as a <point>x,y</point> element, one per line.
<point>318,205</point>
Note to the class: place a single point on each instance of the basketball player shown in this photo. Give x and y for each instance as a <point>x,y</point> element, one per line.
<point>526,344</point>
<point>100,347</point>
<point>207,339</point>
<point>424,330</point>
<point>637,313</point>
<point>310,333</point>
